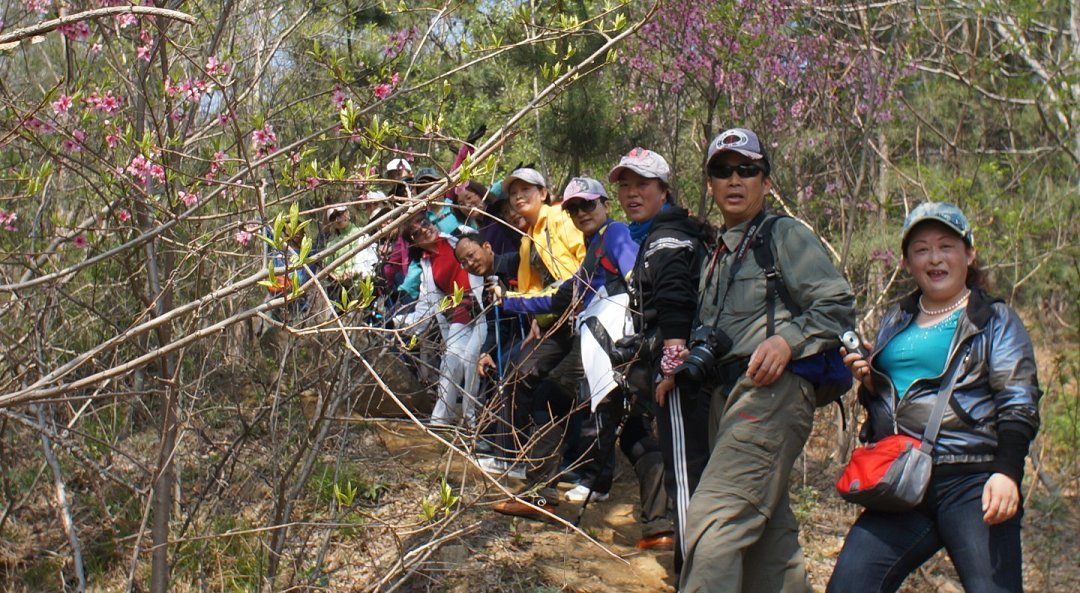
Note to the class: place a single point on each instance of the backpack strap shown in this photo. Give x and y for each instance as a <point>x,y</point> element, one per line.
<point>774,282</point>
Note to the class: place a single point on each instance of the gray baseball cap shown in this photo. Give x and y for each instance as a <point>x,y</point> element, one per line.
<point>530,176</point>
<point>945,213</point>
<point>644,162</point>
<point>742,141</point>
<point>584,188</point>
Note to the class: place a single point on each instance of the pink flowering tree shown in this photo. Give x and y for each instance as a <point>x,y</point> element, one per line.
<point>157,163</point>
<point>775,67</point>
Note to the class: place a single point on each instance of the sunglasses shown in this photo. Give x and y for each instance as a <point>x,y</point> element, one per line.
<point>574,206</point>
<point>745,171</point>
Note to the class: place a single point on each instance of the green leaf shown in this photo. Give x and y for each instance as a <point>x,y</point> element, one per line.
<point>345,495</point>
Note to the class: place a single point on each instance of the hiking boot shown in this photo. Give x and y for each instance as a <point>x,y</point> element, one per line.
<point>659,541</point>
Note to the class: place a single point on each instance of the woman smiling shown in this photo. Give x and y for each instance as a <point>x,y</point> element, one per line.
<point>972,506</point>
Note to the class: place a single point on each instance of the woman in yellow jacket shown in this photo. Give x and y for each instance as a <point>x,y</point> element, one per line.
<point>553,247</point>
<point>546,371</point>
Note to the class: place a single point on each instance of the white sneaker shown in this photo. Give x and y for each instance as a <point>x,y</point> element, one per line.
<point>580,492</point>
<point>499,467</point>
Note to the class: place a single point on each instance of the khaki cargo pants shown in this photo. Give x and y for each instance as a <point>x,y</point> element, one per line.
<point>741,534</point>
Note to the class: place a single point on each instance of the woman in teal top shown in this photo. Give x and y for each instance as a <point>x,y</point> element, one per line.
<point>972,506</point>
<point>918,352</point>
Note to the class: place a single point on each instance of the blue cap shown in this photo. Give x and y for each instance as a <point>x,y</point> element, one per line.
<point>945,213</point>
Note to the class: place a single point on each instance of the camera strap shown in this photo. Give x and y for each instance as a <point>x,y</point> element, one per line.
<point>745,244</point>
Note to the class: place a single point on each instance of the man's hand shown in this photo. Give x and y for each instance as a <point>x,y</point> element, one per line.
<point>768,361</point>
<point>484,364</point>
<point>1000,499</point>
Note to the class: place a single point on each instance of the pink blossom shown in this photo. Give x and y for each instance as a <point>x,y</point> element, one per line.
<point>70,145</point>
<point>123,215</point>
<point>264,140</point>
<point>215,164</point>
<point>395,78</point>
<point>143,53</point>
<point>94,49</point>
<point>338,98</point>
<point>38,6</point>
<point>189,199</point>
<point>226,117</point>
<point>80,242</point>
<point>38,126</point>
<point>382,90</point>
<point>243,237</point>
<point>7,219</point>
<point>126,20</point>
<point>62,104</point>
<point>141,167</point>
<point>177,115</point>
<point>79,135</point>
<point>79,31</point>
<point>294,158</point>
<point>144,37</point>
<point>312,183</point>
<point>111,140</point>
<point>213,66</point>
<point>107,103</point>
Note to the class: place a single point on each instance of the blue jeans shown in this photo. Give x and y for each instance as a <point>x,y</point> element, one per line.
<point>883,548</point>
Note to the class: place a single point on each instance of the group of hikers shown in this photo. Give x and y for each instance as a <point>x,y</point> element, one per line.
<point>698,352</point>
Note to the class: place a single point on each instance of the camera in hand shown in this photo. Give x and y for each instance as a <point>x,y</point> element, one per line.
<point>705,346</point>
<point>852,343</point>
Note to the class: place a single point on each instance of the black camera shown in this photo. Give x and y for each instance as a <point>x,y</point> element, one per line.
<point>705,346</point>
<point>625,350</point>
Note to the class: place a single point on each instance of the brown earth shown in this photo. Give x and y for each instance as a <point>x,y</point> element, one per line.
<point>506,554</point>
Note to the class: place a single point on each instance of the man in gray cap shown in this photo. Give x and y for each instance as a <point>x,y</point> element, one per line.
<point>741,534</point>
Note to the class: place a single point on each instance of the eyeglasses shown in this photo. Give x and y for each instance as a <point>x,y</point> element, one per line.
<point>414,227</point>
<point>574,206</point>
<point>745,171</point>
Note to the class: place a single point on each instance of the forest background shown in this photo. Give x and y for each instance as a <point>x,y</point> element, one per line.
<point>150,440</point>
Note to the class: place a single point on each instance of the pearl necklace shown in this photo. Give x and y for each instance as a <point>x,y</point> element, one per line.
<point>951,307</point>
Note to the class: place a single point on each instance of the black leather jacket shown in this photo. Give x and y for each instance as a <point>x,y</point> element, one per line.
<point>997,389</point>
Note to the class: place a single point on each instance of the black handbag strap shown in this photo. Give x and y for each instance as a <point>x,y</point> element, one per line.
<point>933,424</point>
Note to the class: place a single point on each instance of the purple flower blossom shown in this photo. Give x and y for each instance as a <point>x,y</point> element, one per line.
<point>338,98</point>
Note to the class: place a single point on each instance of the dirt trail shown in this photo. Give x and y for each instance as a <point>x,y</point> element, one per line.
<point>511,554</point>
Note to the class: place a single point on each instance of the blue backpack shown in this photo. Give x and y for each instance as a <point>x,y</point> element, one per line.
<point>824,370</point>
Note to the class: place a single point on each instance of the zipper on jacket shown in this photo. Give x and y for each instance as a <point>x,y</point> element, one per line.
<point>941,377</point>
